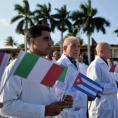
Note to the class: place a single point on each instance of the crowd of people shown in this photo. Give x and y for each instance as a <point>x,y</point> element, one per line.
<point>25,99</point>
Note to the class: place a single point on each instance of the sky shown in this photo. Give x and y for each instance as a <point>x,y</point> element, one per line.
<point>106,9</point>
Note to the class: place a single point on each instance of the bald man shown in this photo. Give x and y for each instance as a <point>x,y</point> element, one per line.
<point>71,49</point>
<point>106,106</point>
<point>56,55</point>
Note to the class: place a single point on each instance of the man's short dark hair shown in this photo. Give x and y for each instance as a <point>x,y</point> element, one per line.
<point>13,55</point>
<point>35,31</point>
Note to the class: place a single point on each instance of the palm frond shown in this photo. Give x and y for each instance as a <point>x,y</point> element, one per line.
<point>19,9</point>
<point>26,6</point>
<point>14,19</point>
<point>19,27</point>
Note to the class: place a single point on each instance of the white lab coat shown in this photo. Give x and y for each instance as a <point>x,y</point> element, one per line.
<point>82,68</point>
<point>116,76</point>
<point>80,99</point>
<point>106,106</point>
<point>23,98</point>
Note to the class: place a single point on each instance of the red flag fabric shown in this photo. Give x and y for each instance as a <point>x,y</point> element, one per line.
<point>78,80</point>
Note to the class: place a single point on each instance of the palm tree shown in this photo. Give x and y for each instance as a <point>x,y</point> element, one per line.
<point>25,16</point>
<point>86,17</point>
<point>116,31</point>
<point>63,23</point>
<point>43,16</point>
<point>21,46</point>
<point>10,42</point>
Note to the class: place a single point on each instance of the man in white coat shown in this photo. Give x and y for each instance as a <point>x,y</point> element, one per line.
<point>98,70</point>
<point>82,66</point>
<point>71,49</point>
<point>25,99</point>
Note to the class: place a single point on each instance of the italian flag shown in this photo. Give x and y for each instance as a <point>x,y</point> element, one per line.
<point>114,68</point>
<point>37,69</point>
<point>63,75</point>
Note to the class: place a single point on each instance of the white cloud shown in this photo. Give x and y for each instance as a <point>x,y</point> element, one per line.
<point>4,22</point>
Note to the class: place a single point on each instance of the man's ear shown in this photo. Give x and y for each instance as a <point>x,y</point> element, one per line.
<point>101,51</point>
<point>32,41</point>
<point>65,48</point>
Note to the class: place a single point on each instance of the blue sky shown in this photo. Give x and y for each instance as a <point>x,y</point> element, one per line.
<point>106,9</point>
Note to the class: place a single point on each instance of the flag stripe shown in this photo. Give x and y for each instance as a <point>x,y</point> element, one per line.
<point>91,81</point>
<point>99,95</point>
<point>91,84</point>
<point>1,58</point>
<point>63,75</point>
<point>26,65</point>
<point>52,75</point>
<point>85,91</point>
<point>40,69</point>
<point>90,87</point>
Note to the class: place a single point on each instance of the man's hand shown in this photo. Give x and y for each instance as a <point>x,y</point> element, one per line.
<point>55,108</point>
<point>68,101</point>
<point>117,83</point>
<point>92,99</point>
<point>1,105</point>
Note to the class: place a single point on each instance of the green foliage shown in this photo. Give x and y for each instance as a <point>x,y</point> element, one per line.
<point>43,16</point>
<point>116,31</point>
<point>21,46</point>
<point>62,17</point>
<point>25,17</point>
<point>10,42</point>
<point>86,16</point>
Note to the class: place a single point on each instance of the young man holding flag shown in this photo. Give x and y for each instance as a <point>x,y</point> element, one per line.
<point>71,50</point>
<point>98,70</point>
<point>27,99</point>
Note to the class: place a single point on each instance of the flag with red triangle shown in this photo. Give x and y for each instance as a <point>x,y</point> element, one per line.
<point>78,80</point>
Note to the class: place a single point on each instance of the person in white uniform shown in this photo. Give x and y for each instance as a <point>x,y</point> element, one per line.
<point>82,66</point>
<point>25,99</point>
<point>98,70</point>
<point>71,49</point>
<point>56,55</point>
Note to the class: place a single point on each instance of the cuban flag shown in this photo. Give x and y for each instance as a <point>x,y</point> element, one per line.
<point>4,58</point>
<point>89,87</point>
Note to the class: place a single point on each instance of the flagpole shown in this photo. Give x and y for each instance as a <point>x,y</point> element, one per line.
<point>65,85</point>
<point>72,82</point>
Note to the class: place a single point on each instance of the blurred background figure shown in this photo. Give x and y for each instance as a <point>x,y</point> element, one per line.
<point>14,56</point>
<point>56,55</point>
<point>110,61</point>
<point>50,56</point>
<point>82,66</point>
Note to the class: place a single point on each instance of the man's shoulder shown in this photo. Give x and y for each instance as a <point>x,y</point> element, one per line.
<point>11,64</point>
<point>94,63</point>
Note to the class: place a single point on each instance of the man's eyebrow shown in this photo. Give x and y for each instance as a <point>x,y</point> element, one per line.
<point>46,37</point>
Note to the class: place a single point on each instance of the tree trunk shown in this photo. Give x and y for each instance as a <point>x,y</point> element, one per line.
<point>89,55</point>
<point>61,43</point>
<point>25,40</point>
